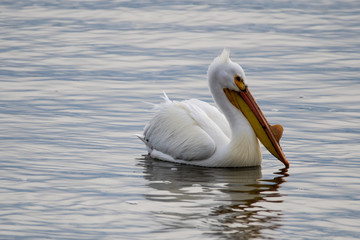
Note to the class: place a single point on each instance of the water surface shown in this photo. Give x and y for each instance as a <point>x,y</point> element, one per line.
<point>76,80</point>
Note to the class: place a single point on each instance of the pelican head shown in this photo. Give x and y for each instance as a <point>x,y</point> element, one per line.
<point>227,84</point>
<point>222,71</point>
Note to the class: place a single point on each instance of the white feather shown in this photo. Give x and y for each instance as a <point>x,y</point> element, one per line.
<point>194,132</point>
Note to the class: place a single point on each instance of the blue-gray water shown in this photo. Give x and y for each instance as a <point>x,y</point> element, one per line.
<point>76,77</point>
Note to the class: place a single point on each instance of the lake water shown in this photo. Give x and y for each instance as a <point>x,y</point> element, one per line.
<point>76,79</point>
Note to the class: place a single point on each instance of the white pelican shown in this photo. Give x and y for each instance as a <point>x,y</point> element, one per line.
<point>197,133</point>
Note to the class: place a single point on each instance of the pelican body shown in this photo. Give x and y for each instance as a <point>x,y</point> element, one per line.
<point>197,133</point>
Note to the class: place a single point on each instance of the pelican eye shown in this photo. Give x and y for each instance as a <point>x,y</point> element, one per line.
<point>240,83</point>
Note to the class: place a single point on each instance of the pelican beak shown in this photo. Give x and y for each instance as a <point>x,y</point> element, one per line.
<point>268,135</point>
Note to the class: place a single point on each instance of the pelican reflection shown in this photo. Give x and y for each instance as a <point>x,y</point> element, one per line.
<point>228,202</point>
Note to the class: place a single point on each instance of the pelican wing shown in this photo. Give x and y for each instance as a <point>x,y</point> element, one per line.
<point>186,130</point>
<point>216,118</point>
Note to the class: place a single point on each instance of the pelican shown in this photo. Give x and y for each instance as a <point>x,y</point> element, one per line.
<point>197,133</point>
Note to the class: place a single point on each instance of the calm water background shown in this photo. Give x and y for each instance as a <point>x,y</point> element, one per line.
<point>74,79</point>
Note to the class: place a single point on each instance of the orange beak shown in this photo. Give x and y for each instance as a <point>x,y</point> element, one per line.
<point>268,135</point>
